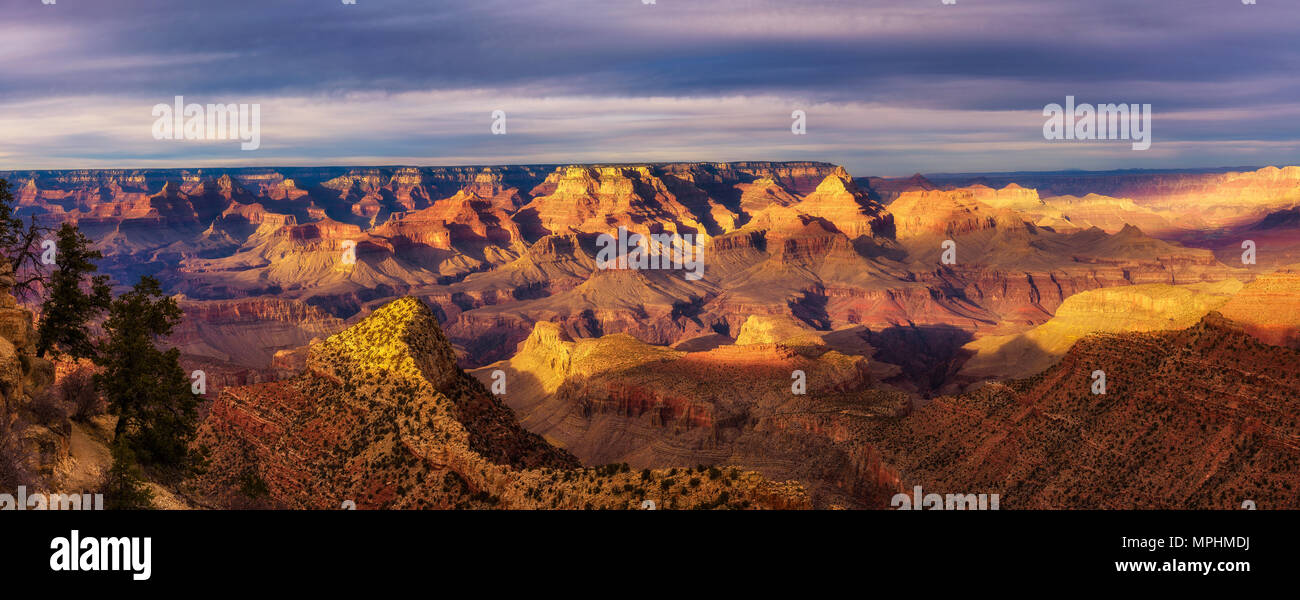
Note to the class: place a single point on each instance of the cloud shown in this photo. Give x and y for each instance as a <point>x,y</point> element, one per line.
<point>401,81</point>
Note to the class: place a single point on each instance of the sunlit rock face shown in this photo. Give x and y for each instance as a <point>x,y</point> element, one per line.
<point>601,199</point>
<point>838,200</point>
<point>1136,308</point>
<point>945,213</point>
<point>1185,200</point>
<point>1269,307</point>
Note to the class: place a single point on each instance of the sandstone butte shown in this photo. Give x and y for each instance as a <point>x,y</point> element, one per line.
<point>383,417</point>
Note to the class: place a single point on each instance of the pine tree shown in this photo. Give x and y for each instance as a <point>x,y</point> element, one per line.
<point>20,246</point>
<point>10,226</point>
<point>124,487</point>
<point>144,386</point>
<point>70,306</point>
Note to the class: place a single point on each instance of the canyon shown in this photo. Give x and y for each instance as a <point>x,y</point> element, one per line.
<point>306,284</point>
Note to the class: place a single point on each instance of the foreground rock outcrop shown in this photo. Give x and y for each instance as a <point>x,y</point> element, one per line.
<point>383,417</point>
<point>37,433</point>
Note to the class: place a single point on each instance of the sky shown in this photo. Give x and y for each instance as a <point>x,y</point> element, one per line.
<point>888,87</point>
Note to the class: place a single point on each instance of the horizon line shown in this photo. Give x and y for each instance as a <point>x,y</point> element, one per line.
<point>940,174</point>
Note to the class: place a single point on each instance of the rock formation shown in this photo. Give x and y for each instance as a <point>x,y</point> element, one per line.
<point>615,399</point>
<point>497,249</point>
<point>1269,307</point>
<point>23,377</point>
<point>383,417</point>
<point>1144,307</point>
<point>1199,418</point>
